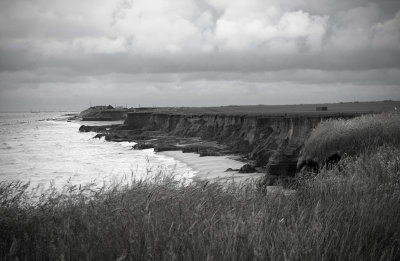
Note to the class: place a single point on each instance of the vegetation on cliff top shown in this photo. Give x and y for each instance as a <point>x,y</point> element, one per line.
<point>352,136</point>
<point>299,109</point>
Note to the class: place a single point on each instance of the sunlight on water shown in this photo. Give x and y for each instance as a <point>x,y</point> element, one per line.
<point>41,151</point>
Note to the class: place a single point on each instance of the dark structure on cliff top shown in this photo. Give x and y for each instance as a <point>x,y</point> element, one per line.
<point>321,108</point>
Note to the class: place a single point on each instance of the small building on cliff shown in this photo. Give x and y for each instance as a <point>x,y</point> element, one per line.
<point>321,108</point>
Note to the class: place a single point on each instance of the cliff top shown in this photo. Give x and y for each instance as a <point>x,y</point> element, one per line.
<point>342,108</point>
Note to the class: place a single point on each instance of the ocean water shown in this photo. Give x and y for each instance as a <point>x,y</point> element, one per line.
<point>43,149</point>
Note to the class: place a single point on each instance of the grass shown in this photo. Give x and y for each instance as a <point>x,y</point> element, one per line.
<point>352,136</point>
<point>295,109</point>
<point>348,213</point>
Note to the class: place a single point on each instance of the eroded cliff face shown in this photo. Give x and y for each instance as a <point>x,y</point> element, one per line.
<point>270,141</point>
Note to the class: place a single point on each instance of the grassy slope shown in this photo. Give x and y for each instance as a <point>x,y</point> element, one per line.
<point>352,136</point>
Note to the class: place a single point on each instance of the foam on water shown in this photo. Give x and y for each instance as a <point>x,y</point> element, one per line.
<point>43,151</point>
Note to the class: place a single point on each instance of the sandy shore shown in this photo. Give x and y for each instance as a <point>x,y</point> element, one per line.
<point>213,167</point>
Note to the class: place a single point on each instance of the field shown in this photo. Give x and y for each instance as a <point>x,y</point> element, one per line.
<point>301,109</point>
<point>350,212</point>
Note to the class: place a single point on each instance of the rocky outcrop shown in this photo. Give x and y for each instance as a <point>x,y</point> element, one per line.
<point>272,143</point>
<point>99,129</point>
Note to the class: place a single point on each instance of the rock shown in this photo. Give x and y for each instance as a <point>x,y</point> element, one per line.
<point>99,136</point>
<point>190,149</point>
<point>143,146</point>
<point>116,137</point>
<point>160,148</point>
<point>247,168</point>
<point>84,128</point>
<point>230,169</point>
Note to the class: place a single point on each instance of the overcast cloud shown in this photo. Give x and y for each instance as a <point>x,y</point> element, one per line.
<point>66,55</point>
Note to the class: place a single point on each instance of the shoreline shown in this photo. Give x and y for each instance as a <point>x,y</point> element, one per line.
<point>270,139</point>
<point>213,168</point>
<point>205,168</point>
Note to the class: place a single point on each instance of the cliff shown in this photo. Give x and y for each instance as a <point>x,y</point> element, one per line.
<point>270,141</point>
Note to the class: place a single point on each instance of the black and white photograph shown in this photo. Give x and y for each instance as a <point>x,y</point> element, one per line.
<point>199,130</point>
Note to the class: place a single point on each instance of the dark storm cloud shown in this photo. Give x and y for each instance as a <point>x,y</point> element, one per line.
<point>160,45</point>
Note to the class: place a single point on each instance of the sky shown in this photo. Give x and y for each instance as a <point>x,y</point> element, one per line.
<point>68,55</point>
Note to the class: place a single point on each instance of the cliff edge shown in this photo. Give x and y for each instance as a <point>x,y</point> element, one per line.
<point>271,138</point>
<point>272,143</point>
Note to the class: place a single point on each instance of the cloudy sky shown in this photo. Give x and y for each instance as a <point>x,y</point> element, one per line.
<point>66,55</point>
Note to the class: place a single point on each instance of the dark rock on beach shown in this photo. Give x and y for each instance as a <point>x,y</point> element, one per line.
<point>162,147</point>
<point>99,136</point>
<point>230,169</point>
<point>143,146</point>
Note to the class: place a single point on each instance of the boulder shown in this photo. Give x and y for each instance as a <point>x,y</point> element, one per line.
<point>84,128</point>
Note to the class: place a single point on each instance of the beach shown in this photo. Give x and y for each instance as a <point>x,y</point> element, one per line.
<point>213,168</point>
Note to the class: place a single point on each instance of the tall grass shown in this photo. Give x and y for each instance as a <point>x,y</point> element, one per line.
<point>351,214</point>
<point>352,136</point>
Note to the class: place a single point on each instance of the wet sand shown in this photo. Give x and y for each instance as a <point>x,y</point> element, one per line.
<point>213,168</point>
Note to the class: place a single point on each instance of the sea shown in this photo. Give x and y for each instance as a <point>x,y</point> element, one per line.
<point>45,149</point>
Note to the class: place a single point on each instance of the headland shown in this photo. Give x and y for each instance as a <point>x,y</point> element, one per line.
<point>268,139</point>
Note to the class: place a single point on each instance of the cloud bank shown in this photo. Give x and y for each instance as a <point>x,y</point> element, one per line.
<point>76,51</point>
